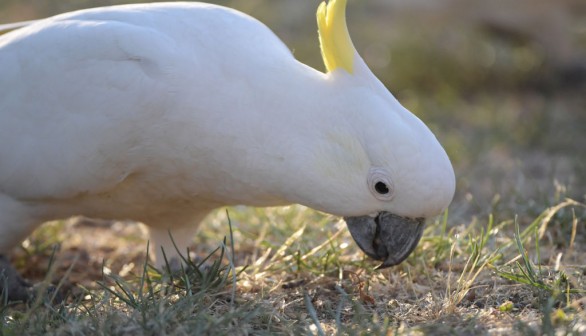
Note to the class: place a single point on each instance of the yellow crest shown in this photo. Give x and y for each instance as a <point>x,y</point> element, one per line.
<point>337,49</point>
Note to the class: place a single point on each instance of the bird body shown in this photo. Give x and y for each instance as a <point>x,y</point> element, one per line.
<point>126,114</point>
<point>160,113</point>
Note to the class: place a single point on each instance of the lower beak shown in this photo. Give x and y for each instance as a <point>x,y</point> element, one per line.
<point>386,237</point>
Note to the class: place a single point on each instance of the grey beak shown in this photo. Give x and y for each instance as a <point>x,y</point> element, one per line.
<point>386,237</point>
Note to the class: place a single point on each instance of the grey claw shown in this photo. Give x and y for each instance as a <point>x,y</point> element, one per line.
<point>12,286</point>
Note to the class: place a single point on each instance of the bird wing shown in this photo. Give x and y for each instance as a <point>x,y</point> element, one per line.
<point>89,98</point>
<point>74,94</point>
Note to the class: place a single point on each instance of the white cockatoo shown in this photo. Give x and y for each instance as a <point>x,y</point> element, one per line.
<point>160,113</point>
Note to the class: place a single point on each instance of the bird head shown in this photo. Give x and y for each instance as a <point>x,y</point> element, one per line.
<point>395,173</point>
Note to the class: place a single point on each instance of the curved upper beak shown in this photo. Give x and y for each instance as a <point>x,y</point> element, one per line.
<point>386,237</point>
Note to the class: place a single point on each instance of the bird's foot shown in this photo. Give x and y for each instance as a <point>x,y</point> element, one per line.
<point>12,286</point>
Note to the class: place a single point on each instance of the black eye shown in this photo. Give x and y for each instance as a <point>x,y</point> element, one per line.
<point>381,188</point>
<point>380,184</point>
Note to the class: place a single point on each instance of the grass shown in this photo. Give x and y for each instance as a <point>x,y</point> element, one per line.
<point>482,277</point>
<point>508,258</point>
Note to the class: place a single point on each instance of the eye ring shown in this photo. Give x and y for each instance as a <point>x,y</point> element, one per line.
<point>380,184</point>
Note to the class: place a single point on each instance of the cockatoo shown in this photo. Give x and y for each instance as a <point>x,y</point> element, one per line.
<point>160,113</point>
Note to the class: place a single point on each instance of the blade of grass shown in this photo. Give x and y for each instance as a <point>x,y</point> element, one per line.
<point>313,314</point>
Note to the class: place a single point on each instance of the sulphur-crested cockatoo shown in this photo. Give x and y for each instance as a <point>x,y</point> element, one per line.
<point>160,113</point>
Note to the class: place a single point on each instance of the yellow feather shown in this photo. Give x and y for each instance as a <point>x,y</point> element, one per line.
<point>336,46</point>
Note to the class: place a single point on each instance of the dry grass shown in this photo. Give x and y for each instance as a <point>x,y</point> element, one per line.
<point>485,277</point>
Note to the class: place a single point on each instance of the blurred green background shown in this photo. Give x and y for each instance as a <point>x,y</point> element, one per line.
<point>501,83</point>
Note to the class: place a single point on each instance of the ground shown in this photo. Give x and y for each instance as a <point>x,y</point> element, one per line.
<point>507,259</point>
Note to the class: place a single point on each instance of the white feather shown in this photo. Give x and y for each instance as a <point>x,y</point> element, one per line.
<point>160,113</point>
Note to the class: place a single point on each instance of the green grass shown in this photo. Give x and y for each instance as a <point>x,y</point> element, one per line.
<point>312,280</point>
